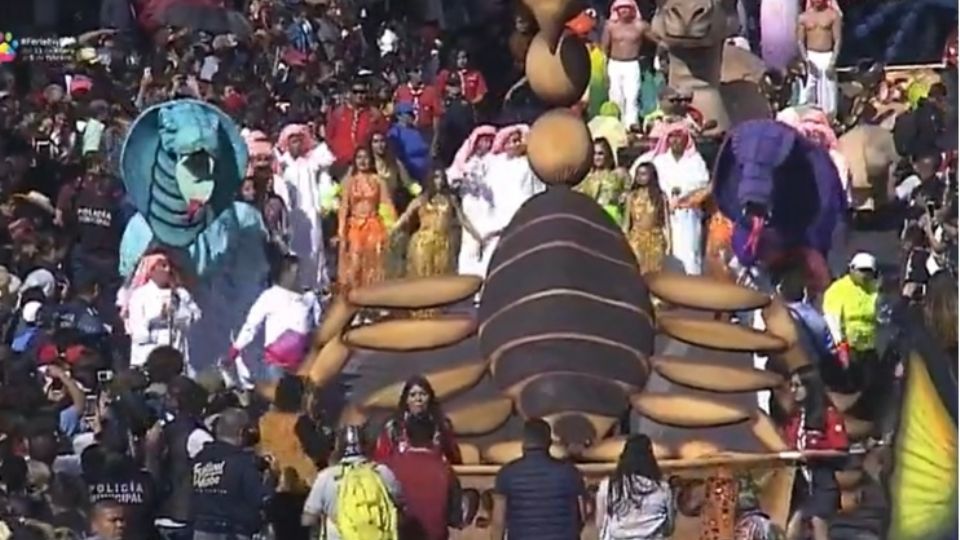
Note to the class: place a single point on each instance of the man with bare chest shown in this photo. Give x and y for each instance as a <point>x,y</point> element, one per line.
<point>818,32</point>
<point>623,37</point>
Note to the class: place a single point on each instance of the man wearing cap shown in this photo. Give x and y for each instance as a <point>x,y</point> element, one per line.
<point>850,309</point>
<point>408,142</point>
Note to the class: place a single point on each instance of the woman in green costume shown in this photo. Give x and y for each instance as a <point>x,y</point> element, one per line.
<point>604,183</point>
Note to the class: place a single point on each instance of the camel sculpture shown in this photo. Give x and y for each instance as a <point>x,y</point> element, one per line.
<point>725,79</point>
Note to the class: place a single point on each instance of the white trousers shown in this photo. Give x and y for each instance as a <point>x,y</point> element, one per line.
<point>625,89</point>
<point>821,88</point>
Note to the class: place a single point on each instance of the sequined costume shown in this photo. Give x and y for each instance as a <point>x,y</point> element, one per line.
<point>645,230</point>
<point>605,186</point>
<point>364,216</point>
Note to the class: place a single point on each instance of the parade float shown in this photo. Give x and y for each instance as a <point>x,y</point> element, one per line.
<point>567,329</point>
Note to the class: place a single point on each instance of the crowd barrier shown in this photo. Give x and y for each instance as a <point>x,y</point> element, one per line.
<point>706,489</point>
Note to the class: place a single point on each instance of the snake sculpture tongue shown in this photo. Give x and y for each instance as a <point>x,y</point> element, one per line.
<point>194,174</point>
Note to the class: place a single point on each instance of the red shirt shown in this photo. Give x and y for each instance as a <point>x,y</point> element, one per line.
<point>833,437</point>
<point>393,440</point>
<point>348,128</point>
<point>425,101</point>
<point>474,85</point>
<point>425,481</point>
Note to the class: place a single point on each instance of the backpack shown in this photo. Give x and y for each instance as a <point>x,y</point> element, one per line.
<point>365,509</point>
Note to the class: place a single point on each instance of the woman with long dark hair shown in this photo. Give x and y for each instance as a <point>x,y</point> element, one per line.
<point>646,219</point>
<point>635,501</point>
<point>417,398</point>
<point>366,212</point>
<point>430,252</point>
<point>605,182</point>
<point>814,425</point>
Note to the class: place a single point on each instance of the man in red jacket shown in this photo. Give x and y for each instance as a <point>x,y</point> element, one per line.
<point>351,125</point>
<point>427,482</point>
<point>424,98</point>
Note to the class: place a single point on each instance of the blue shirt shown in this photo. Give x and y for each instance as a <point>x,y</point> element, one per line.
<point>542,497</point>
<point>411,149</point>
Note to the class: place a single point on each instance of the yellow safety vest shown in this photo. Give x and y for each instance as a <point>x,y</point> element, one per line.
<point>856,309</point>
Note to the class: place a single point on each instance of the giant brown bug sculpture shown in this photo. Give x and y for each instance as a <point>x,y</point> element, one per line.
<point>567,329</point>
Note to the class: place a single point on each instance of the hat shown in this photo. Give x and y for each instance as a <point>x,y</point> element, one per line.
<point>37,199</point>
<point>351,441</point>
<point>863,261</point>
<point>404,108</point>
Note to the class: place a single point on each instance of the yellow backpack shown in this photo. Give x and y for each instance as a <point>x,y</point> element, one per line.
<point>365,509</point>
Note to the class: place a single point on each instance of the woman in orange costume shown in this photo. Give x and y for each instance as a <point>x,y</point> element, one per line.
<point>365,215</point>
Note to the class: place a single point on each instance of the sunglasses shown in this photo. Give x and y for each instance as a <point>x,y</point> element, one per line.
<point>681,100</point>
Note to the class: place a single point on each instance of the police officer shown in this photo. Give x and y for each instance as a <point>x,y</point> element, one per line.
<point>230,483</point>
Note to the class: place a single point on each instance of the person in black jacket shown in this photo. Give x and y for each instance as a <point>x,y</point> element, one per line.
<point>230,484</point>
<point>924,130</point>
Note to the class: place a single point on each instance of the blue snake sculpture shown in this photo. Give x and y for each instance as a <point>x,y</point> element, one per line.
<point>182,164</point>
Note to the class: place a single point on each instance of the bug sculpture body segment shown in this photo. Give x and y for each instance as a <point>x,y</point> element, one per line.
<point>565,319</point>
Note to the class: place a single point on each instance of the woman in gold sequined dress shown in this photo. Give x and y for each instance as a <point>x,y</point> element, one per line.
<point>431,248</point>
<point>402,190</point>
<point>605,182</point>
<point>645,219</point>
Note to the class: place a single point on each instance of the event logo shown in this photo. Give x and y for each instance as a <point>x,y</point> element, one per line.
<point>8,47</point>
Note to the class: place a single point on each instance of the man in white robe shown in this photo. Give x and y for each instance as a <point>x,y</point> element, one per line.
<point>158,311</point>
<point>310,192</point>
<point>468,175</point>
<point>511,182</point>
<point>683,176</point>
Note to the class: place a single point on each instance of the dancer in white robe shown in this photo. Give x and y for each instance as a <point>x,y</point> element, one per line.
<point>513,183</point>
<point>683,177</point>
<point>310,192</point>
<point>468,175</point>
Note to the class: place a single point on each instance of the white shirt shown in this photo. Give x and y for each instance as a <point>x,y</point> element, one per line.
<point>513,183</point>
<point>279,310</point>
<point>150,328</point>
<point>308,182</point>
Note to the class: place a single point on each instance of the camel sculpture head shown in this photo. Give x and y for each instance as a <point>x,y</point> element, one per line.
<point>691,23</point>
